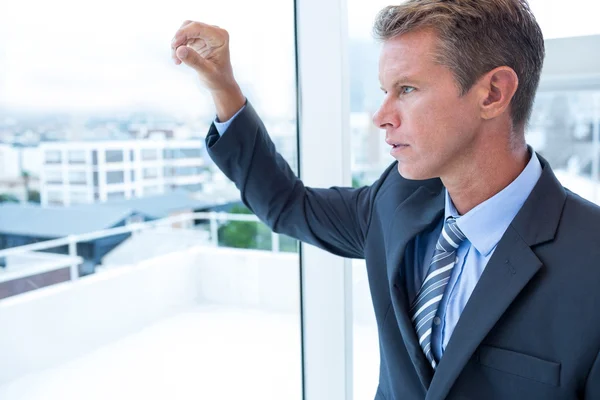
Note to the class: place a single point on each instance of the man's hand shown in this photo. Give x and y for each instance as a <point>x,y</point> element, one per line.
<point>205,48</point>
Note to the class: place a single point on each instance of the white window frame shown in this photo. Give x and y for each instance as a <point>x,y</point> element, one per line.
<point>324,155</point>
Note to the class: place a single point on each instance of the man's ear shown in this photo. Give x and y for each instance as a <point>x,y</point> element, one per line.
<point>497,89</point>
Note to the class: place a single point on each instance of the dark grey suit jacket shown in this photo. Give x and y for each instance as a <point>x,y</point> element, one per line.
<point>531,328</point>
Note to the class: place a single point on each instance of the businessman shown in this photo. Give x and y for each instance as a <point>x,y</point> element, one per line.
<point>484,271</point>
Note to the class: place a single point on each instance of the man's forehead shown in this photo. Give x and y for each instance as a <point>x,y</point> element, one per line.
<point>418,44</point>
<point>408,54</point>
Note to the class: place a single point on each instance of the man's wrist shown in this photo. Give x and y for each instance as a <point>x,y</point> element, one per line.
<point>228,101</point>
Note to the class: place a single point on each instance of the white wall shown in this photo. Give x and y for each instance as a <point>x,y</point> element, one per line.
<point>49,326</point>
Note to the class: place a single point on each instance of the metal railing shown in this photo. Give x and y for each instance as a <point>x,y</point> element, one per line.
<point>71,241</point>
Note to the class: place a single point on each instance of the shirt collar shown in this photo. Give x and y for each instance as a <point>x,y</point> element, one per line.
<point>485,224</point>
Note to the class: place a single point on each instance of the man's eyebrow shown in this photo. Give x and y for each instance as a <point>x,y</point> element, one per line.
<point>398,83</point>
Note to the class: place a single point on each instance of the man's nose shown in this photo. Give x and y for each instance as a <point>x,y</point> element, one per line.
<point>386,117</point>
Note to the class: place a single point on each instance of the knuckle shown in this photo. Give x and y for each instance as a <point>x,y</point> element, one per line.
<point>224,34</point>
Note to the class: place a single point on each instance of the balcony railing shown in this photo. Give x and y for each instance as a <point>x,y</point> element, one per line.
<point>179,221</point>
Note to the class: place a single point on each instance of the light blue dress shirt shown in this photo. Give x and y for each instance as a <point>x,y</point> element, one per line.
<point>483,226</point>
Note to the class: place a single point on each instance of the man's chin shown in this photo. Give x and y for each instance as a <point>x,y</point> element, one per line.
<point>414,173</point>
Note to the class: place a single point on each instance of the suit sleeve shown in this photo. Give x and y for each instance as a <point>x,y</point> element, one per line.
<point>592,388</point>
<point>334,219</point>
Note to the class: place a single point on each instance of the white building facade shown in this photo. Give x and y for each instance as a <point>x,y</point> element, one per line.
<point>96,171</point>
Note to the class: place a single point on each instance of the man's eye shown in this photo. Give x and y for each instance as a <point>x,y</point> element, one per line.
<point>406,89</point>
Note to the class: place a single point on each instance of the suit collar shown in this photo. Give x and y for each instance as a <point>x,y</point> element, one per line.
<point>538,219</point>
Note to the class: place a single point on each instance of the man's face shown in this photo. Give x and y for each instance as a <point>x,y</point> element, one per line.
<point>422,112</point>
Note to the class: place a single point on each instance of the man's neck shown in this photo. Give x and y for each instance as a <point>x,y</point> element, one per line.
<point>487,175</point>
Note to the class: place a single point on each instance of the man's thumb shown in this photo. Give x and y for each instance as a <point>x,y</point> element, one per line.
<point>190,58</point>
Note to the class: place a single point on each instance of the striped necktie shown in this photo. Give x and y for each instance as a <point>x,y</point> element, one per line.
<point>426,303</point>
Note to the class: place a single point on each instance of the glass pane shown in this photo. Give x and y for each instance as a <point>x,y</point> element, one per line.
<point>115,177</point>
<point>54,176</point>
<point>149,154</point>
<point>150,173</point>
<point>53,157</point>
<point>77,177</point>
<point>77,157</point>
<point>114,156</point>
<point>559,18</point>
<point>368,160</point>
<point>180,306</point>
<point>564,128</point>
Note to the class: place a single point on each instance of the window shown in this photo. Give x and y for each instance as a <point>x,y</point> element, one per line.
<point>78,197</point>
<point>54,176</point>
<point>149,154</point>
<point>182,171</point>
<point>115,177</point>
<point>559,19</point>
<point>195,187</point>
<point>182,153</point>
<point>53,156</point>
<point>565,130</point>
<point>55,198</point>
<point>115,195</point>
<point>150,173</point>
<point>76,156</point>
<point>113,156</point>
<point>77,177</point>
<point>204,278</point>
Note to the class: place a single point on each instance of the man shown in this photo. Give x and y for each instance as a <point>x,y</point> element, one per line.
<point>483,269</point>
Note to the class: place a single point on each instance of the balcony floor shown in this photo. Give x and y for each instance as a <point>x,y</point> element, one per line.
<point>206,352</point>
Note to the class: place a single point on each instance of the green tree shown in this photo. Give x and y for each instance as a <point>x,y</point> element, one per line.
<point>240,234</point>
<point>251,235</point>
<point>8,198</point>
<point>34,196</point>
<point>26,178</point>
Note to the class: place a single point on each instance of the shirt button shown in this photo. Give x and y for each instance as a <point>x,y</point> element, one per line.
<point>437,320</point>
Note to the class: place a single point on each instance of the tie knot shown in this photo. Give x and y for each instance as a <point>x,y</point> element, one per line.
<point>452,235</point>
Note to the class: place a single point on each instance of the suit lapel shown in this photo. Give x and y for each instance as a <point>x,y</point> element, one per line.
<point>511,267</point>
<point>419,211</point>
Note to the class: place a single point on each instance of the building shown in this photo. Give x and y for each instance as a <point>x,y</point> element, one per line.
<point>25,224</point>
<point>20,167</point>
<point>85,172</point>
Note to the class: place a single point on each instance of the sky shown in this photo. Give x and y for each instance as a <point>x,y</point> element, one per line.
<point>72,56</point>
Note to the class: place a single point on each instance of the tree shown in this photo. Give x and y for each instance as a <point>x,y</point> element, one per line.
<point>251,235</point>
<point>34,196</point>
<point>26,177</point>
<point>8,198</point>
<point>240,234</point>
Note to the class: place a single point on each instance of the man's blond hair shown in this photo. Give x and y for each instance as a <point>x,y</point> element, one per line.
<point>476,36</point>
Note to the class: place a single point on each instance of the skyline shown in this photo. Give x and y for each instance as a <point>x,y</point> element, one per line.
<point>78,65</point>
